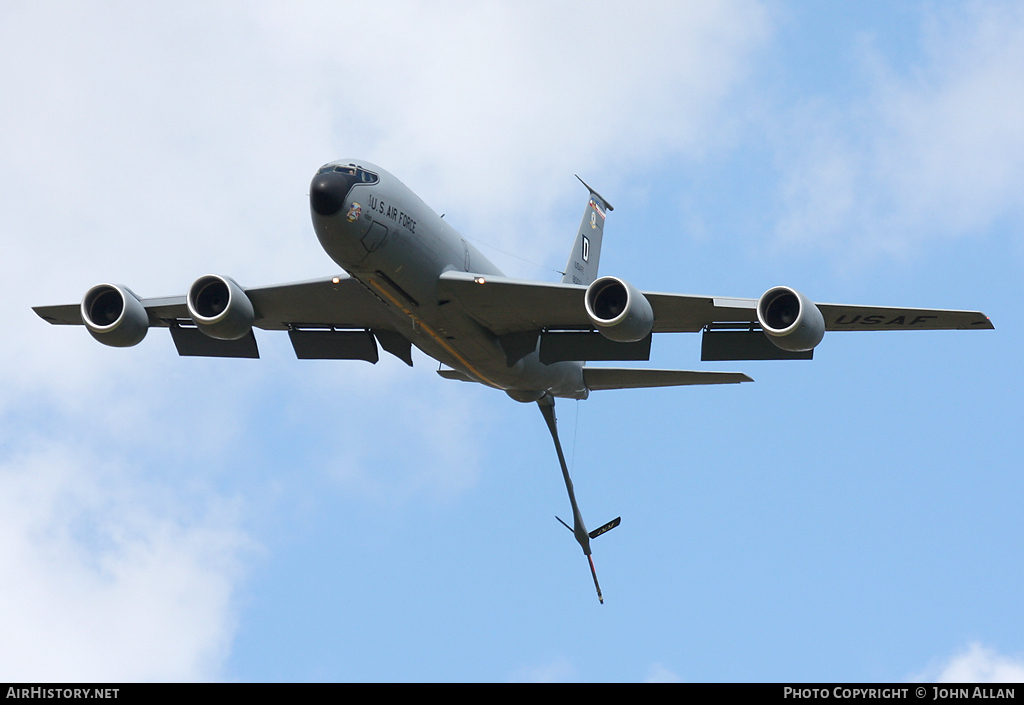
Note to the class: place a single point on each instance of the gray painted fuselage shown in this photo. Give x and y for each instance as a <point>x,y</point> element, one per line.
<point>387,238</point>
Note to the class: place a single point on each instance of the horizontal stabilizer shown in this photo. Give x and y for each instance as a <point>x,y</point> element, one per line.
<point>630,378</point>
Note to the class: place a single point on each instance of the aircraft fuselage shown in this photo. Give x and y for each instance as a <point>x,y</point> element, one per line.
<point>388,239</point>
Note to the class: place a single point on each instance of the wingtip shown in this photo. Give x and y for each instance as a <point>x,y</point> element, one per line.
<point>67,314</point>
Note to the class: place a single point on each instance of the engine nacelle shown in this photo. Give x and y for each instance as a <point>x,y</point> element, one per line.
<point>114,315</point>
<point>219,307</point>
<point>791,321</point>
<point>618,309</point>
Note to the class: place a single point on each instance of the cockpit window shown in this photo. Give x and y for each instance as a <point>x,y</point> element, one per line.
<point>361,175</point>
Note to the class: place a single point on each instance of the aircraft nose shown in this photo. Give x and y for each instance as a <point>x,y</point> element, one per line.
<point>327,192</point>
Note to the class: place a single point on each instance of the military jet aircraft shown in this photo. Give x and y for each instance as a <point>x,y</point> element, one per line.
<point>413,280</point>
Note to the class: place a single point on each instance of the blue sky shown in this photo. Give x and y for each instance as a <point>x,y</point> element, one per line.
<point>852,518</point>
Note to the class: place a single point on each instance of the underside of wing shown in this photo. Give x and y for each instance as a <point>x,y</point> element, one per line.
<point>329,318</point>
<point>510,305</point>
<point>846,317</point>
<point>630,378</point>
<point>62,315</point>
<point>506,305</point>
<point>340,302</point>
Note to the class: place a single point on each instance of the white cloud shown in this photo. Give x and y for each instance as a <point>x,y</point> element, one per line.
<point>978,664</point>
<point>109,577</point>
<point>935,150</point>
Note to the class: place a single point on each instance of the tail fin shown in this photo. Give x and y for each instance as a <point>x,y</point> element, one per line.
<point>586,251</point>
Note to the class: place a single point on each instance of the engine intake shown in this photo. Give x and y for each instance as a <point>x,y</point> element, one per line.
<point>618,309</point>
<point>114,315</point>
<point>791,321</point>
<point>219,307</point>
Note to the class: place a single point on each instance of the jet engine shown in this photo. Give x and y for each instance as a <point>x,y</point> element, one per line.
<point>219,307</point>
<point>619,310</point>
<point>114,315</point>
<point>791,321</point>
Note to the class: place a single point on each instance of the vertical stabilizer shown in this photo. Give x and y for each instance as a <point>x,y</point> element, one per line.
<point>586,251</point>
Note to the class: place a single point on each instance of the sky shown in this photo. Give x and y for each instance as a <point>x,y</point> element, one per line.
<point>853,518</point>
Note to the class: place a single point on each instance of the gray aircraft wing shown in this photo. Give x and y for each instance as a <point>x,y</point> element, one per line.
<point>341,302</point>
<point>509,305</point>
<point>837,316</point>
<point>312,311</point>
<point>519,312</point>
